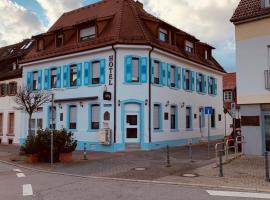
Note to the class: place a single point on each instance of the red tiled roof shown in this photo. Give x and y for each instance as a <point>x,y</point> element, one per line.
<point>229,81</point>
<point>124,22</point>
<point>248,9</point>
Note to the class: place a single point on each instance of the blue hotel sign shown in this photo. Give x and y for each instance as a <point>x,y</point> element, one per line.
<point>208,110</point>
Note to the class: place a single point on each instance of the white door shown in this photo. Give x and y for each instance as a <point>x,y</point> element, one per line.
<point>132,127</point>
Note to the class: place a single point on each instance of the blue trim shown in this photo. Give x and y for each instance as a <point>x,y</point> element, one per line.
<point>141,104</point>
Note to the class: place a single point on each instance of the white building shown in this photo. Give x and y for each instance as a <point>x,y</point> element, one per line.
<point>252,31</point>
<point>159,78</point>
<point>11,120</point>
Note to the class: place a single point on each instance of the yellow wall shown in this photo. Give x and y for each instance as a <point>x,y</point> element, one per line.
<point>253,29</point>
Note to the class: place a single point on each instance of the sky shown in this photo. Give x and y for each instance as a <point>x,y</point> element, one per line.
<point>208,20</point>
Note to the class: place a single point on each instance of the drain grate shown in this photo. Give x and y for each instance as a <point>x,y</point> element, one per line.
<point>140,169</point>
<point>189,175</point>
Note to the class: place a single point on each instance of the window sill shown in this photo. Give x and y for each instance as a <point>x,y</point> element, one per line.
<point>190,91</point>
<point>132,83</point>
<point>93,130</point>
<point>174,130</point>
<point>189,129</point>
<point>73,130</point>
<point>201,93</point>
<point>73,87</point>
<point>94,85</point>
<point>158,131</point>
<point>174,88</point>
<point>157,85</point>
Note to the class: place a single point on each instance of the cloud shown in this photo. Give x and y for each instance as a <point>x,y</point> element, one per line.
<point>17,23</point>
<point>55,8</point>
<point>208,20</point>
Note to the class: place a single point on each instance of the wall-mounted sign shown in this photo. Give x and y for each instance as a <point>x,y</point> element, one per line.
<point>107,96</point>
<point>166,116</point>
<point>250,121</point>
<point>111,63</point>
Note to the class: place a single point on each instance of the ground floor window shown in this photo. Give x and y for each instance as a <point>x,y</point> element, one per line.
<point>72,122</point>
<point>94,117</point>
<point>52,118</point>
<point>36,124</point>
<point>157,117</point>
<point>188,117</point>
<point>11,120</point>
<point>1,123</point>
<point>173,117</point>
<point>213,119</point>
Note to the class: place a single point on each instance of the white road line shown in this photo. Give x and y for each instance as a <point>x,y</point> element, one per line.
<point>238,194</point>
<point>17,170</point>
<point>27,190</point>
<point>20,175</point>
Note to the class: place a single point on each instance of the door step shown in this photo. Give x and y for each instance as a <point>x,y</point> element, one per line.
<point>133,147</point>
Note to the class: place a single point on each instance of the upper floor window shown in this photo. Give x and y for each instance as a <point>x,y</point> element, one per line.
<point>73,75</point>
<point>189,47</point>
<point>267,3</point>
<point>228,96</point>
<point>212,86</point>
<point>87,33</point>
<point>59,39</point>
<point>163,35</point>
<point>95,72</point>
<point>53,78</point>
<point>40,44</point>
<point>157,72</point>
<point>200,82</point>
<point>135,69</point>
<point>173,76</point>
<point>12,88</point>
<point>35,80</point>
<point>3,90</point>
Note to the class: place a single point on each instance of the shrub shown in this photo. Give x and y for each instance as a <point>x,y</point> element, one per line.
<point>67,143</point>
<point>30,145</point>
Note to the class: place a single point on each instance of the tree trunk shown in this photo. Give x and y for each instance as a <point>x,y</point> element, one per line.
<point>29,124</point>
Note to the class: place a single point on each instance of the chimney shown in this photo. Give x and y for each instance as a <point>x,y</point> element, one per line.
<point>139,4</point>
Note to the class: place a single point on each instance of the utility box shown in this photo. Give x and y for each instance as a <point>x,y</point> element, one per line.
<point>105,136</point>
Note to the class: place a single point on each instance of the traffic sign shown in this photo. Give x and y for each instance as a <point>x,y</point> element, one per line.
<point>208,110</point>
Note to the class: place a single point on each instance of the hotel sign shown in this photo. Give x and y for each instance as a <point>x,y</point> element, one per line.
<point>111,64</point>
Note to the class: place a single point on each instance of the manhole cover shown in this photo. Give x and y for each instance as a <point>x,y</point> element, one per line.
<point>189,175</point>
<point>140,169</point>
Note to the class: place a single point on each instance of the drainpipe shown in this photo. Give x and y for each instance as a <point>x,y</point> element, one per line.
<point>114,96</point>
<point>150,100</point>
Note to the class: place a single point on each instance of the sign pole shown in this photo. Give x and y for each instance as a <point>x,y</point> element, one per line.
<point>52,109</point>
<point>208,134</point>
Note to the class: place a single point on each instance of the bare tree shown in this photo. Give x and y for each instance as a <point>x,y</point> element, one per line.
<point>29,101</point>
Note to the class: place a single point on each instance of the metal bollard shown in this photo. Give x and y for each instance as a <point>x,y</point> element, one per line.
<point>267,177</point>
<point>168,157</point>
<point>220,164</point>
<point>84,152</point>
<point>190,150</point>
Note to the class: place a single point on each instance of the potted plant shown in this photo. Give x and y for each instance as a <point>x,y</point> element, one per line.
<point>67,144</point>
<point>29,148</point>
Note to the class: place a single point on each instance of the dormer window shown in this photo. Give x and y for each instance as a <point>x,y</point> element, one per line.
<point>189,47</point>
<point>267,3</point>
<point>59,39</point>
<point>206,55</point>
<point>40,44</point>
<point>163,35</point>
<point>87,33</point>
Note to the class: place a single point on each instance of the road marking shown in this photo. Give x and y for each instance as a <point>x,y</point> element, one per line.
<point>20,175</point>
<point>27,190</point>
<point>17,170</point>
<point>238,194</point>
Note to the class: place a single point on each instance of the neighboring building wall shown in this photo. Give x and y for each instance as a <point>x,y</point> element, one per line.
<point>7,107</point>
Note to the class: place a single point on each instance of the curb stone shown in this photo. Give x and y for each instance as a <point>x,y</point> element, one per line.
<point>252,189</point>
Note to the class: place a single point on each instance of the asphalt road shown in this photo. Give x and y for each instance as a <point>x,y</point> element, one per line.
<point>20,184</point>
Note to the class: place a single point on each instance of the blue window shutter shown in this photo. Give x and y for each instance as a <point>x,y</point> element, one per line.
<point>58,75</point>
<point>79,74</point>
<point>40,80</point>
<point>204,84</point>
<point>178,79</point>
<point>169,75</point>
<point>102,71</point>
<point>192,80</point>
<point>163,71</point>
<point>209,85</point>
<point>143,69</point>
<point>29,80</point>
<point>86,73</point>
<point>47,78</point>
<point>66,76</point>
<point>184,79</point>
<point>215,86</point>
<point>128,69</point>
<point>197,82</point>
<point>152,71</point>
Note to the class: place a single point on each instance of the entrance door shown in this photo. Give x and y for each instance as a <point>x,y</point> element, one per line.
<point>267,132</point>
<point>132,127</point>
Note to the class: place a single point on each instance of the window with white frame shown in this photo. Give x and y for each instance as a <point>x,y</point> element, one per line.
<point>157,116</point>
<point>36,124</point>
<point>163,35</point>
<point>157,78</point>
<point>95,117</point>
<point>73,75</point>
<point>35,80</point>
<point>72,117</point>
<point>188,117</point>
<point>200,83</point>
<point>173,117</point>
<point>53,78</point>
<point>95,72</point>
<point>12,88</point>
<point>135,69</point>
<point>267,3</point>
<point>189,47</point>
<point>11,123</point>
<point>173,76</point>
<point>211,85</point>
<point>228,96</point>
<point>87,33</point>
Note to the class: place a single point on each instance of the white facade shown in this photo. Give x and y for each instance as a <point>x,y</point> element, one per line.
<point>11,120</point>
<point>131,121</point>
